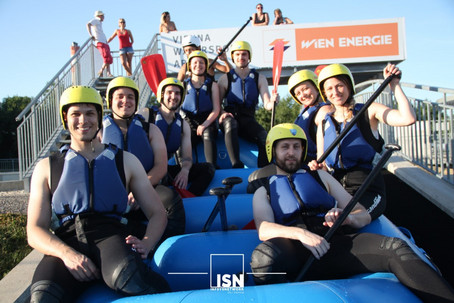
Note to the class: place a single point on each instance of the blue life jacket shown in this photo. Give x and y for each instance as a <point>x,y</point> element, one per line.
<point>172,132</point>
<point>306,121</point>
<point>298,195</point>
<point>198,100</point>
<point>89,188</point>
<point>135,142</point>
<point>357,148</point>
<point>242,93</point>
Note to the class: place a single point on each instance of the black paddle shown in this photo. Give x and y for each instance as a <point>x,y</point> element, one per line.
<point>390,148</point>
<point>355,118</point>
<point>228,43</point>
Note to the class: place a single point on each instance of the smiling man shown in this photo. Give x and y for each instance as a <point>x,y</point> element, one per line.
<point>129,131</point>
<point>241,88</point>
<point>293,212</point>
<point>83,204</point>
<point>177,135</point>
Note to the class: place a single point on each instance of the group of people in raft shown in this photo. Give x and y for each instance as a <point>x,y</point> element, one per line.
<point>88,203</point>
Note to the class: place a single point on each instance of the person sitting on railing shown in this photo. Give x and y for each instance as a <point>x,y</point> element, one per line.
<point>279,19</point>
<point>126,40</point>
<point>101,42</point>
<point>166,25</point>
<point>351,160</point>
<point>260,18</point>
<point>295,209</point>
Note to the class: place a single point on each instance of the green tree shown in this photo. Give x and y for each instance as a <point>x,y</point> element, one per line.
<point>285,112</point>
<point>10,107</point>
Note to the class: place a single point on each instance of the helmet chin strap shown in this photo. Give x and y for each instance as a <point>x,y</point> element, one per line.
<point>316,100</point>
<point>94,137</point>
<point>129,118</point>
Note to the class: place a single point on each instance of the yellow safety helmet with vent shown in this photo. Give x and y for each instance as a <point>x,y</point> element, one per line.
<point>298,78</point>
<point>197,54</point>
<point>241,45</point>
<point>80,95</point>
<point>285,131</point>
<point>331,71</point>
<point>121,82</point>
<point>166,82</point>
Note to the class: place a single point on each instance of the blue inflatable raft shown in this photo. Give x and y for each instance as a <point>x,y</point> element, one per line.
<point>214,266</point>
<point>201,266</point>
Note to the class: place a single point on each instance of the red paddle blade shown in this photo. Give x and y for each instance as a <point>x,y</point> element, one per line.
<point>154,69</point>
<point>319,68</point>
<point>184,193</point>
<point>278,56</point>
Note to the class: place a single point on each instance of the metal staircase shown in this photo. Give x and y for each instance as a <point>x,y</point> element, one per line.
<point>40,131</point>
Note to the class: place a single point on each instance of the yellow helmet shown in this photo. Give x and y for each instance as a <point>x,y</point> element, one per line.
<point>241,45</point>
<point>298,78</point>
<point>80,95</point>
<point>121,82</point>
<point>166,82</point>
<point>331,71</point>
<point>197,54</point>
<point>285,131</point>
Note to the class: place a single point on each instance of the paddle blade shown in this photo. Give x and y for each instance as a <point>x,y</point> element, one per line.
<point>278,56</point>
<point>319,68</point>
<point>154,69</point>
<point>184,193</point>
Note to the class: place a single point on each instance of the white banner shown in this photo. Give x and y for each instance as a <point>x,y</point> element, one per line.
<point>305,44</point>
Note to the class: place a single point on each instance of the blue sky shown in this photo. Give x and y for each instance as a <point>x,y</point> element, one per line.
<point>37,35</point>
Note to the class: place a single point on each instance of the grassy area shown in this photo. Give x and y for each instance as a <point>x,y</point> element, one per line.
<point>13,241</point>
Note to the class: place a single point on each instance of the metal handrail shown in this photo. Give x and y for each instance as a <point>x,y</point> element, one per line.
<point>429,142</point>
<point>40,127</point>
<point>36,99</point>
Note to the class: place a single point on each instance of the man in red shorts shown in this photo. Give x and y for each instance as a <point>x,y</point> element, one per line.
<point>101,41</point>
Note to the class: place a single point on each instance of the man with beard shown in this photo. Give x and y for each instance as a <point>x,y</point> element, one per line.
<point>296,208</point>
<point>242,87</point>
<point>177,135</point>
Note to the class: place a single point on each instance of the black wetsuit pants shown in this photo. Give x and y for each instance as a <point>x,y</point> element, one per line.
<point>176,219</point>
<point>374,198</point>
<point>350,255</point>
<point>249,129</point>
<point>121,268</point>
<point>200,176</point>
<point>208,138</point>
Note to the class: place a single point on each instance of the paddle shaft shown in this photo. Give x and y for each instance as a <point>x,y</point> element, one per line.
<point>230,42</point>
<point>273,114</point>
<point>277,67</point>
<point>355,119</point>
<point>390,148</point>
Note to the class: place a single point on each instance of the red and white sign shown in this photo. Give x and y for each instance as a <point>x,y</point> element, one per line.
<point>304,44</point>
